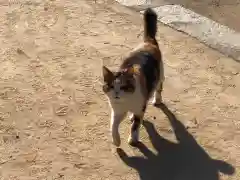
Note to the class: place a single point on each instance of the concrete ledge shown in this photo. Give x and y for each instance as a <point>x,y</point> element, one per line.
<point>215,35</point>
<point>209,32</point>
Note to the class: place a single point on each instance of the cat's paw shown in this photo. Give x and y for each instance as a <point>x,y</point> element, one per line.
<point>133,139</point>
<point>157,102</point>
<point>131,117</point>
<point>133,142</point>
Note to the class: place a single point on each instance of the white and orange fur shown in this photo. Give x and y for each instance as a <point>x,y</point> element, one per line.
<point>140,77</point>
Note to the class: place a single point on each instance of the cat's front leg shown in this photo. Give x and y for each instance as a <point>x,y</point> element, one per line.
<point>116,119</point>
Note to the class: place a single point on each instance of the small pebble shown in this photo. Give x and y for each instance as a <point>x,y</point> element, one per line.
<point>19,51</point>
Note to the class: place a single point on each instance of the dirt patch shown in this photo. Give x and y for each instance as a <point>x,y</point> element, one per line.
<point>54,117</point>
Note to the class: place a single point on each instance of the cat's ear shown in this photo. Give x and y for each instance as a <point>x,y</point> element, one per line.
<point>107,74</point>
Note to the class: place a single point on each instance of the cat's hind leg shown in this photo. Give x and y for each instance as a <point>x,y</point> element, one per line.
<point>136,120</point>
<point>134,134</point>
<point>157,96</point>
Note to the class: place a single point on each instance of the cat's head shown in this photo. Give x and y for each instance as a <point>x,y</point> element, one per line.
<point>118,85</point>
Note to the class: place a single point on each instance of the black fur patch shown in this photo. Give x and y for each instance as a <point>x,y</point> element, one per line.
<point>149,66</point>
<point>136,123</point>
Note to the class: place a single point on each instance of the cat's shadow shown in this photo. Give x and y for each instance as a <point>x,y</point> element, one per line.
<point>185,160</point>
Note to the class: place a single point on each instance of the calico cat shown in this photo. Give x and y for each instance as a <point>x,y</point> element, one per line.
<point>140,76</point>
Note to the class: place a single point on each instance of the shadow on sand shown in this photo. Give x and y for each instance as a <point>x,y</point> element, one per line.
<point>185,160</point>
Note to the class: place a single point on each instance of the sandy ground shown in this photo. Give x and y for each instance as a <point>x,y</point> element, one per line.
<point>54,117</point>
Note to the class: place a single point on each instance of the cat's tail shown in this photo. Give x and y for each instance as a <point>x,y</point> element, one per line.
<point>150,24</point>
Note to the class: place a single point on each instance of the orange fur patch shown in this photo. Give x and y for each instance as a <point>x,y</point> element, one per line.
<point>136,69</point>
